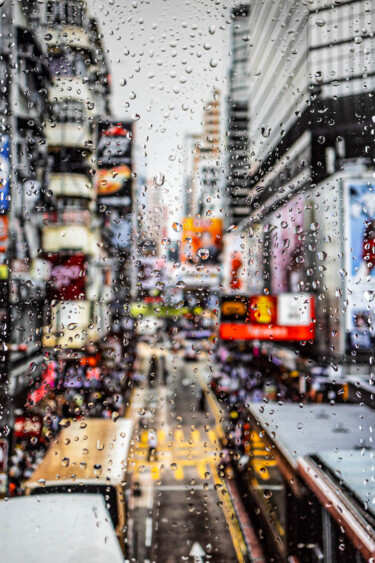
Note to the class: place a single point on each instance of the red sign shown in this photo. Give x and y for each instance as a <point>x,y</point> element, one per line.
<point>68,278</point>
<point>4,232</point>
<point>28,426</point>
<point>233,331</point>
<point>286,317</point>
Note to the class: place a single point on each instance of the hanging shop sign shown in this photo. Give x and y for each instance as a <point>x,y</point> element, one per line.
<point>4,172</point>
<point>114,158</point>
<point>286,317</point>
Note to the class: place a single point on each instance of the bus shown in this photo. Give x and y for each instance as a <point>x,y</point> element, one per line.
<point>89,456</point>
<point>57,528</point>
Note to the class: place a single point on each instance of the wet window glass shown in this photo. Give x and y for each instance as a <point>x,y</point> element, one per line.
<point>187,281</point>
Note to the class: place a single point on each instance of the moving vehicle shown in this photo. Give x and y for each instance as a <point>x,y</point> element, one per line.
<point>63,528</point>
<point>89,456</point>
<point>197,344</point>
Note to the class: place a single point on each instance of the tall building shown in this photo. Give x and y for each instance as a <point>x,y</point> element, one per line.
<point>311,107</point>
<point>205,175</point>
<point>238,182</point>
<point>79,293</point>
<point>310,94</point>
<point>25,80</point>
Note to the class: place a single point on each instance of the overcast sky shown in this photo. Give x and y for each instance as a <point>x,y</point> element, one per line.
<point>166,56</point>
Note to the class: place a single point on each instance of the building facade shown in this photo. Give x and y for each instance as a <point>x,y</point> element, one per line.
<point>25,81</point>
<point>311,104</point>
<point>237,173</point>
<point>78,296</point>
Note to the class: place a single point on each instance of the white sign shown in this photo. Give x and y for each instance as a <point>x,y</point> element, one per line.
<point>293,309</point>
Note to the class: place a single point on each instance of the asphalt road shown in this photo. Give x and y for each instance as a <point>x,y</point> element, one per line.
<point>184,512</point>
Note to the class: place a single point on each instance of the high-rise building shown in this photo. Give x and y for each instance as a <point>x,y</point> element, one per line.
<point>311,108</point>
<point>205,175</point>
<point>25,80</point>
<point>310,88</point>
<point>79,292</point>
<point>238,182</point>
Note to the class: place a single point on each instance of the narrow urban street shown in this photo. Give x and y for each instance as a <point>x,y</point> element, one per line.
<point>183,511</point>
<point>187,281</point>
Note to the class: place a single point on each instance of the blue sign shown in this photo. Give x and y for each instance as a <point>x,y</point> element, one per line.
<point>4,173</point>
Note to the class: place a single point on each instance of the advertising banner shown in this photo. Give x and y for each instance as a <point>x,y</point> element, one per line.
<point>4,172</point>
<point>286,317</point>
<point>114,159</point>
<point>286,243</point>
<point>68,278</point>
<point>235,264</point>
<point>28,426</point>
<point>359,205</point>
<point>4,234</point>
<point>255,282</point>
<point>201,240</point>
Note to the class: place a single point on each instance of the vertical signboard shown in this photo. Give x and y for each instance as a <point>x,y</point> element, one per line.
<point>4,172</point>
<point>114,159</point>
<point>359,275</point>
<point>235,263</point>
<point>286,240</point>
<point>201,240</point>
<point>68,277</point>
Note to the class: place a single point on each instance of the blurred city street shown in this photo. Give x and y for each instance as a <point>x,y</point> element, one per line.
<point>187,281</point>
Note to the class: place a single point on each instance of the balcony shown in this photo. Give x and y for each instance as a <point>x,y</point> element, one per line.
<point>76,237</point>
<point>71,185</point>
<point>74,37</point>
<point>69,135</point>
<point>71,324</point>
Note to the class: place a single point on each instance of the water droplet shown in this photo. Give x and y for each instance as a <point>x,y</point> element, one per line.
<point>159,179</point>
<point>64,422</point>
<point>266,131</point>
<point>203,253</point>
<point>320,22</point>
<point>65,461</point>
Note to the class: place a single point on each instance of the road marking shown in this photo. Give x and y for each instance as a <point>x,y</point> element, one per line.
<point>148,532</point>
<point>197,552</point>
<point>202,469</point>
<point>179,473</point>
<point>155,472</point>
<point>186,487</point>
<point>179,435</point>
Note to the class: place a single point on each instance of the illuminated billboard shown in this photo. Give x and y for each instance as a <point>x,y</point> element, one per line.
<point>285,317</point>
<point>4,172</point>
<point>201,240</point>
<point>360,262</point>
<point>114,159</point>
<point>68,277</point>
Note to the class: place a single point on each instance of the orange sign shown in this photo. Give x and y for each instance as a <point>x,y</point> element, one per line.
<point>233,308</point>
<point>201,240</point>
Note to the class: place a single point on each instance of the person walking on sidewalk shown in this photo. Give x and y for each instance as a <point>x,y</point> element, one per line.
<point>202,401</point>
<point>153,371</point>
<point>152,445</point>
